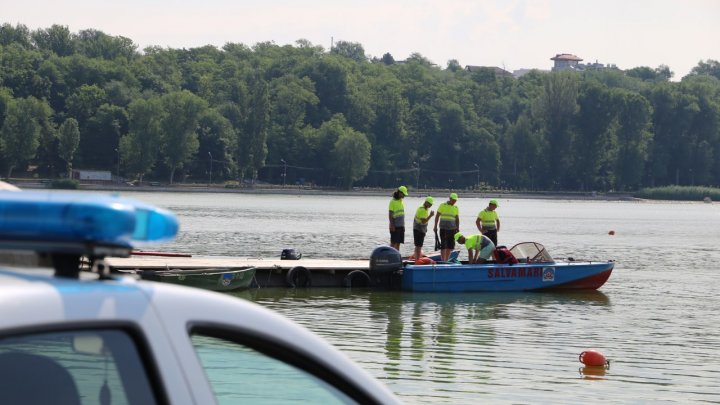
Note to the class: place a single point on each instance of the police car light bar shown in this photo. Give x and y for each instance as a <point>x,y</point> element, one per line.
<point>82,223</point>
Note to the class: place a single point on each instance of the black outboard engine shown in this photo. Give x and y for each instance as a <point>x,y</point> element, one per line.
<point>385,259</point>
<point>290,254</point>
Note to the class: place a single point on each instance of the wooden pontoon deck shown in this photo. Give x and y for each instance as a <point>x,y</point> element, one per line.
<point>269,272</point>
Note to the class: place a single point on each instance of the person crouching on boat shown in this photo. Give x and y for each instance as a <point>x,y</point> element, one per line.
<point>448,215</point>
<point>480,247</point>
<point>420,225</point>
<point>396,215</point>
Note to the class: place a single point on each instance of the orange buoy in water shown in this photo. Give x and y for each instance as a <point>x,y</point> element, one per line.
<point>425,260</point>
<point>611,232</point>
<point>593,358</point>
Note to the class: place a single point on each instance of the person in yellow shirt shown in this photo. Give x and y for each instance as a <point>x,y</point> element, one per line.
<point>396,215</point>
<point>448,215</point>
<point>488,222</point>
<point>422,217</point>
<point>480,247</point>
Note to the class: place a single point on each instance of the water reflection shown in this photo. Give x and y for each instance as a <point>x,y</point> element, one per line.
<point>430,338</point>
<point>593,372</point>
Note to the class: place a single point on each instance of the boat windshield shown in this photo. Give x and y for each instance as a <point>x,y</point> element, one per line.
<point>531,252</point>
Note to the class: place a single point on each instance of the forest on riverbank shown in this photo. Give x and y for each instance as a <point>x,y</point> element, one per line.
<point>300,114</point>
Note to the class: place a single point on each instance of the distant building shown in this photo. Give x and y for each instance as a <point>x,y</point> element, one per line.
<point>93,176</point>
<point>566,61</point>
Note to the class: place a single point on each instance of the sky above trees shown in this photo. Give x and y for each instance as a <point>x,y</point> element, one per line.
<point>511,34</point>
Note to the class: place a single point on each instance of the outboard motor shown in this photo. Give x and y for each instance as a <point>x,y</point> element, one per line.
<point>385,259</point>
<point>290,254</point>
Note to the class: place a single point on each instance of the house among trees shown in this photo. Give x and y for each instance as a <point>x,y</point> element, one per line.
<point>566,61</point>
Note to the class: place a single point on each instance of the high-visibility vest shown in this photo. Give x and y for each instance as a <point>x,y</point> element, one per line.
<point>420,215</point>
<point>398,212</point>
<point>448,215</point>
<point>477,242</point>
<point>488,218</point>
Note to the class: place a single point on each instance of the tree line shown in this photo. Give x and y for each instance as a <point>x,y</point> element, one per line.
<point>299,114</point>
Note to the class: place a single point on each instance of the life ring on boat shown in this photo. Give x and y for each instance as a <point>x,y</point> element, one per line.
<point>357,278</point>
<point>298,276</point>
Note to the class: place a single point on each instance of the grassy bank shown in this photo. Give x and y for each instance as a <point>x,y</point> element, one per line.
<point>680,193</point>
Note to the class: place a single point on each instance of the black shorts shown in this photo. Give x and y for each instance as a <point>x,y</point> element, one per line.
<point>419,238</point>
<point>492,234</point>
<point>447,238</point>
<point>398,236</point>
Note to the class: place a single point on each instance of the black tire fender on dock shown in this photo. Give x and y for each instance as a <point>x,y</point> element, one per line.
<point>298,276</point>
<point>357,278</point>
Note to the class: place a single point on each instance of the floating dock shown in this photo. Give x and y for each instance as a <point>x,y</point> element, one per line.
<point>269,272</point>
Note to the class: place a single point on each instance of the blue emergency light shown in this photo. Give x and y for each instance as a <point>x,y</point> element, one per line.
<point>46,221</point>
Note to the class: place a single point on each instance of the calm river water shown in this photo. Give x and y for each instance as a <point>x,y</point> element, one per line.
<point>656,318</point>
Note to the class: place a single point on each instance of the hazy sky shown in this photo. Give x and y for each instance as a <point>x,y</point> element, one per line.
<point>513,34</point>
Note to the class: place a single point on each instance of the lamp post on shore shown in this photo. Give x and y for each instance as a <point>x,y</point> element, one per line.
<point>417,175</point>
<point>478,175</point>
<point>117,173</point>
<point>284,173</point>
<point>210,156</point>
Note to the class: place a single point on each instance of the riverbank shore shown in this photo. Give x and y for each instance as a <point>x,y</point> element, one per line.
<point>295,190</point>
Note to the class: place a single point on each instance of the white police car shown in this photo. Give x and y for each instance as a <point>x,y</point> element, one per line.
<point>70,337</point>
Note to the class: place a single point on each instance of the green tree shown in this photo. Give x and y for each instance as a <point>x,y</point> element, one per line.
<point>331,76</point>
<point>661,73</point>
<point>216,136</point>
<point>256,128</point>
<point>594,145</point>
<point>352,50</point>
<point>57,39</point>
<point>672,115</point>
<point>351,156</point>
<point>84,102</point>
<point>139,148</point>
<point>710,67</point>
<point>69,139</point>
<point>290,97</point>
<point>179,128</point>
<point>524,142</point>
<point>19,34</point>
<point>388,59</point>
<point>97,44</point>
<point>557,107</point>
<point>5,100</point>
<point>101,137</point>
<point>634,114</point>
<point>20,132</point>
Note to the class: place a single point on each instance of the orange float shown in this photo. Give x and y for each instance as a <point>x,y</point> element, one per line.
<point>424,260</point>
<point>593,358</point>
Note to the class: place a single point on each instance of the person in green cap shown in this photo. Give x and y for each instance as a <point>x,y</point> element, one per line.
<point>422,217</point>
<point>488,222</point>
<point>396,215</point>
<point>480,247</point>
<point>448,215</point>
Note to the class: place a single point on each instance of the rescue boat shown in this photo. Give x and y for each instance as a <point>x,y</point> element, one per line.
<point>528,268</point>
